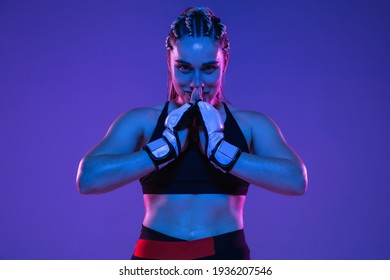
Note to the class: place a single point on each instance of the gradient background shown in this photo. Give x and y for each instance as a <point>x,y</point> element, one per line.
<point>319,69</point>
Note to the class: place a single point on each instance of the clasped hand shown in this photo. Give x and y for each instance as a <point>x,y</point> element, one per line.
<point>197,115</point>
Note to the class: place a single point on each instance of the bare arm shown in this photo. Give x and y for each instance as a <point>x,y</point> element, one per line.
<point>117,159</point>
<point>273,165</point>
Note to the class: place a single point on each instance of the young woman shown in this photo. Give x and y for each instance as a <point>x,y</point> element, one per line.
<point>195,155</point>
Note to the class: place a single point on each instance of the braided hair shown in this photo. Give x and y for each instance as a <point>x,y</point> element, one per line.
<point>196,22</point>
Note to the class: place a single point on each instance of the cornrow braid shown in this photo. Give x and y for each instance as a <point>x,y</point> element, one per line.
<point>196,22</point>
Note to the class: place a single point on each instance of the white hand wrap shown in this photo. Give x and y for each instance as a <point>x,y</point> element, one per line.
<point>174,120</point>
<point>213,124</point>
<point>221,153</point>
<point>225,155</point>
<point>164,150</point>
<point>161,152</point>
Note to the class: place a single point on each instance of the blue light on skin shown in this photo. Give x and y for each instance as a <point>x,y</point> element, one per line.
<point>197,63</point>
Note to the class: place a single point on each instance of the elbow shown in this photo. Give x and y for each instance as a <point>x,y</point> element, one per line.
<point>82,185</point>
<point>82,179</point>
<point>296,184</point>
<point>301,188</point>
<point>88,181</point>
<point>302,182</point>
<point>88,187</point>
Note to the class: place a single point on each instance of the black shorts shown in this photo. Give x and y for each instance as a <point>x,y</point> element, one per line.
<point>154,245</point>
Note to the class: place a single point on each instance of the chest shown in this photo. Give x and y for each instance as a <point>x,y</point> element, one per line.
<point>244,125</point>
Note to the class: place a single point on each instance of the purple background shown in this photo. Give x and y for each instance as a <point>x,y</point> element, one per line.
<point>319,69</point>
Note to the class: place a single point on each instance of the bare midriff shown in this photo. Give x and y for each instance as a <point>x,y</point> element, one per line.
<point>193,216</point>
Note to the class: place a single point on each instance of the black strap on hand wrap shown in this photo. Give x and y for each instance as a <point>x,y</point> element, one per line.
<point>225,156</point>
<point>161,152</point>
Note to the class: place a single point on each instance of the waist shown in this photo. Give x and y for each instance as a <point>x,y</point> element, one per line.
<point>192,217</point>
<point>156,245</point>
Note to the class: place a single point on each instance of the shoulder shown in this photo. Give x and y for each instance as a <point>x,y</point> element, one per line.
<point>266,138</point>
<point>139,116</point>
<point>129,131</point>
<point>252,118</point>
<point>262,130</point>
<point>137,122</point>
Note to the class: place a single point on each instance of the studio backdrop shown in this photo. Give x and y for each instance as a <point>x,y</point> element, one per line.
<point>319,69</point>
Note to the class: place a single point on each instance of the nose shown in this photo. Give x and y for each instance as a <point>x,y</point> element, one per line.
<point>196,81</point>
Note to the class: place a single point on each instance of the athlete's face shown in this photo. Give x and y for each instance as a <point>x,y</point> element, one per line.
<point>196,63</point>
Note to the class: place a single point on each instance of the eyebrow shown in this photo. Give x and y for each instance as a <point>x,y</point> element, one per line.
<point>207,63</point>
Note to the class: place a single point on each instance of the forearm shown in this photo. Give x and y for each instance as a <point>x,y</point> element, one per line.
<point>104,173</point>
<point>278,175</point>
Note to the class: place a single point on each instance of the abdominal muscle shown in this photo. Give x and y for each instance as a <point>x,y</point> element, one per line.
<point>193,216</point>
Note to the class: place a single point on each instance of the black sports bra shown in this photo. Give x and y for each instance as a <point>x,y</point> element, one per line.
<point>191,172</point>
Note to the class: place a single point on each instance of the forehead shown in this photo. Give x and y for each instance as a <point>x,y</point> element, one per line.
<point>198,49</point>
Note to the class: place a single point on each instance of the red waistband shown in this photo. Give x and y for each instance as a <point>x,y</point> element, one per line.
<point>181,250</point>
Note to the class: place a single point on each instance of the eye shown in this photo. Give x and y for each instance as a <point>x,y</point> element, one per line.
<point>184,68</point>
<point>209,69</point>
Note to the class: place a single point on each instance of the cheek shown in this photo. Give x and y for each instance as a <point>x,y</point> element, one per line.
<point>180,79</point>
<point>213,80</point>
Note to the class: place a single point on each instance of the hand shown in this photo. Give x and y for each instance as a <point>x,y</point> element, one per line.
<point>177,123</point>
<point>180,120</point>
<point>211,132</point>
<point>174,139</point>
<point>196,95</point>
<point>222,154</point>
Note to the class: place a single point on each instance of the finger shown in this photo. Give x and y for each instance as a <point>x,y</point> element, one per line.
<point>210,116</point>
<point>175,116</point>
<point>196,95</point>
<point>200,96</point>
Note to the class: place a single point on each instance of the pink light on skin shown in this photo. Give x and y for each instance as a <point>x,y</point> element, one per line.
<point>197,63</point>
